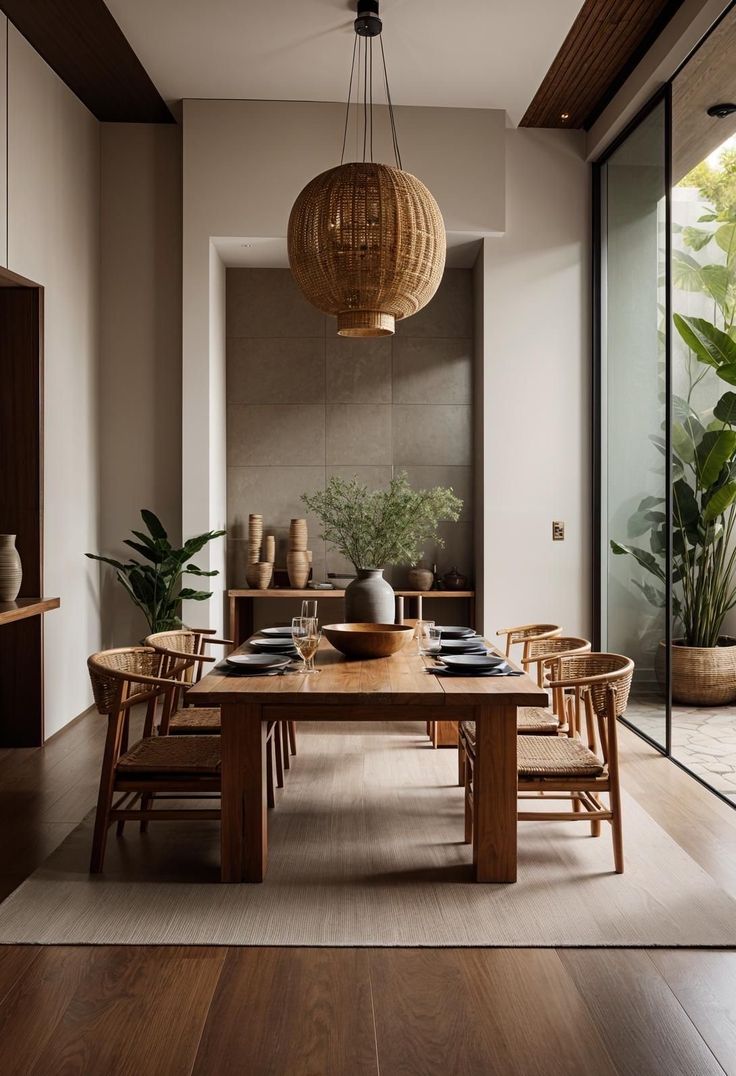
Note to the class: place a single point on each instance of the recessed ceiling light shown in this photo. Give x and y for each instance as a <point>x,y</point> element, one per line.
<point>565,116</point>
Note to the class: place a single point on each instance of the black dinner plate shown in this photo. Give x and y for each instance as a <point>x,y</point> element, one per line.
<point>257,663</point>
<point>452,631</point>
<point>462,646</point>
<point>273,646</point>
<point>473,661</point>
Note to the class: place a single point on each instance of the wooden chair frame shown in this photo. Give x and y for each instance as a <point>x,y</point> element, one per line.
<point>526,634</point>
<point>583,793</point>
<point>134,688</point>
<point>280,742</point>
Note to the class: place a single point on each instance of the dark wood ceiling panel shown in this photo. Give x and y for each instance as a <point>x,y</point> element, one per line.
<point>86,48</point>
<point>604,45</point>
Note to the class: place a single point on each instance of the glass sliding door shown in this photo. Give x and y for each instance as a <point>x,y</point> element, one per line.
<point>634,544</point>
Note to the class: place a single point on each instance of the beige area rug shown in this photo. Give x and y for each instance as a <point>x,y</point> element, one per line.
<point>366,849</point>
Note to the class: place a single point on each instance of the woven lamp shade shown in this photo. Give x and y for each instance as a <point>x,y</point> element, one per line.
<point>367,245</point>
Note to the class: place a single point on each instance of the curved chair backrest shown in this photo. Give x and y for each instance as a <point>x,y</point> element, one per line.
<point>526,633</point>
<point>546,652</point>
<point>602,682</point>
<point>113,672</point>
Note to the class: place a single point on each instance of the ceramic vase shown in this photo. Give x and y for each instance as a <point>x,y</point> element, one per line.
<point>420,579</point>
<point>297,564</point>
<point>370,599</point>
<point>11,572</point>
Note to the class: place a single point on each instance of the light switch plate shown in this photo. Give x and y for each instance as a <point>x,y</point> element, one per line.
<point>558,530</point>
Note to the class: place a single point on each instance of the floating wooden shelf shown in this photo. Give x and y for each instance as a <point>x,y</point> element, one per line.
<point>25,607</point>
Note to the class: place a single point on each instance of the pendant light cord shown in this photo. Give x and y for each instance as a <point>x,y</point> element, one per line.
<point>347,108</point>
<point>366,61</point>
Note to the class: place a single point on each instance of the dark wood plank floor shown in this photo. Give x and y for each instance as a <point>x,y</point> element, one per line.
<point>172,1010</point>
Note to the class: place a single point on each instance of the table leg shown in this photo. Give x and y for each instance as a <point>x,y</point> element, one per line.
<point>495,793</point>
<point>243,824</point>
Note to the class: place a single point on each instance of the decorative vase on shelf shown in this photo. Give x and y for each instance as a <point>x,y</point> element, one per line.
<point>370,598</point>
<point>11,571</point>
<point>420,578</point>
<point>297,564</point>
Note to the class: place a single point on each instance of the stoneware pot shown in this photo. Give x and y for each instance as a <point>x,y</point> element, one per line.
<point>370,599</point>
<point>701,675</point>
<point>420,579</point>
<point>297,565</point>
<point>11,572</point>
<point>454,580</point>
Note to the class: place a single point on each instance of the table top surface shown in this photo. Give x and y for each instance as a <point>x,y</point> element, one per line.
<point>22,608</point>
<point>336,592</point>
<point>400,680</point>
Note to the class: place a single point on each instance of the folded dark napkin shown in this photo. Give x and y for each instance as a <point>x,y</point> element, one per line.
<point>442,670</point>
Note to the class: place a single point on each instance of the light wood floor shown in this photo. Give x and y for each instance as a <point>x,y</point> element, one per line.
<point>142,1011</point>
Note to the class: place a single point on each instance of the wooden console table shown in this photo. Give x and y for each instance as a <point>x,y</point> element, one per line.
<point>21,671</point>
<point>242,605</point>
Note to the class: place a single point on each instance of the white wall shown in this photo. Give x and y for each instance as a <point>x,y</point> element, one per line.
<point>53,238</point>
<point>535,387</point>
<point>244,162</point>
<point>140,348</point>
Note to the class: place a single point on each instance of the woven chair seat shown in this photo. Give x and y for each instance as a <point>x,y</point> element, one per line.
<point>195,719</point>
<point>536,719</point>
<point>156,755</point>
<point>555,756</point>
<point>530,719</point>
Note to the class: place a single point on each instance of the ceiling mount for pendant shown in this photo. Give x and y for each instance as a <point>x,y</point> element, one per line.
<point>366,240</point>
<point>368,22</point>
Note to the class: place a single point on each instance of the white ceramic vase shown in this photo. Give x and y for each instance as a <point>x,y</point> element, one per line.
<point>11,571</point>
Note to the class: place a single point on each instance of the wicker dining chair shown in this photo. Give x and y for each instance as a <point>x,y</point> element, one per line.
<point>567,768</point>
<point>183,657</point>
<point>155,768</point>
<point>537,720</point>
<point>525,634</point>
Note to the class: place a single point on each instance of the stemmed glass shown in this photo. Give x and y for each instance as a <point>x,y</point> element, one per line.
<point>306,633</point>
<point>309,608</point>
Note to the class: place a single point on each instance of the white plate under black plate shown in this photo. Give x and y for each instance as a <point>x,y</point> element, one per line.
<point>276,633</point>
<point>473,661</point>
<point>450,631</point>
<point>257,662</point>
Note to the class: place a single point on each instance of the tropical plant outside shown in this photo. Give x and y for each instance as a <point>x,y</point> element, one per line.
<point>375,528</point>
<point>154,584</point>
<point>703,439</point>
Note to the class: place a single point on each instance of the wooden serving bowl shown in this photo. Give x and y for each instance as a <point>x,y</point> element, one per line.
<point>368,640</point>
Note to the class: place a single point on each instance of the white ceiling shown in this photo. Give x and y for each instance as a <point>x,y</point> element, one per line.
<point>452,53</point>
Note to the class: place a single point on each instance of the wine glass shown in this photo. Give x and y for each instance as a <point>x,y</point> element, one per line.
<point>306,633</point>
<point>309,609</point>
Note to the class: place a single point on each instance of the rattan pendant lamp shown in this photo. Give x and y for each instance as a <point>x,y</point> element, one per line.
<point>366,240</point>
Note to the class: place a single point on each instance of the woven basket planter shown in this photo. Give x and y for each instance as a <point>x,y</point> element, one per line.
<point>367,245</point>
<point>701,676</point>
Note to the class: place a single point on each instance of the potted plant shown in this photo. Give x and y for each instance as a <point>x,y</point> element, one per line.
<point>375,528</point>
<point>154,585</point>
<point>703,470</point>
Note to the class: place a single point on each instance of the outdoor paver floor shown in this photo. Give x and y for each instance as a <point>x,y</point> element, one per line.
<point>703,739</point>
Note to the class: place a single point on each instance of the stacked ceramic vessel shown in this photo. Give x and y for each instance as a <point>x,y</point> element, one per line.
<point>259,572</point>
<point>298,558</point>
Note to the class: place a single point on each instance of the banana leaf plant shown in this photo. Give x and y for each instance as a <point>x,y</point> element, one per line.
<point>154,583</point>
<point>703,455</point>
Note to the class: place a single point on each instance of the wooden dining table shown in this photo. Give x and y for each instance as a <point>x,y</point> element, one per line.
<point>396,688</point>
